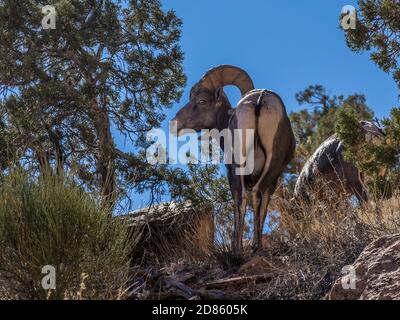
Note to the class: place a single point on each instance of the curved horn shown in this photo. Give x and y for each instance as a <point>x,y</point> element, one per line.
<point>227,75</point>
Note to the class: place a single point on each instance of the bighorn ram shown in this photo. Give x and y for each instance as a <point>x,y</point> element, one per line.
<point>274,144</point>
<point>327,164</point>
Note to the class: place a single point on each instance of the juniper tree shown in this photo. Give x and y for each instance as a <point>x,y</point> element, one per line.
<point>318,119</point>
<point>378,32</point>
<point>108,67</point>
<point>378,161</point>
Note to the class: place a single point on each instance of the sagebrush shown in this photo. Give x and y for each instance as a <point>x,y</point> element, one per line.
<point>51,221</point>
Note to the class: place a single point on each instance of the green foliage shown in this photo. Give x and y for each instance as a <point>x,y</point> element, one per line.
<point>317,121</point>
<point>50,221</point>
<point>349,129</point>
<point>378,31</point>
<point>376,158</point>
<point>64,91</point>
<point>206,187</point>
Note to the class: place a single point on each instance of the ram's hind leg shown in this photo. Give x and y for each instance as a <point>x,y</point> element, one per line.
<point>264,197</point>
<point>260,205</point>
<point>257,201</point>
<point>266,141</point>
<point>244,139</point>
<point>267,130</point>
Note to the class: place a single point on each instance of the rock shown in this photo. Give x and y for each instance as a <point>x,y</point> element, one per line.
<point>377,273</point>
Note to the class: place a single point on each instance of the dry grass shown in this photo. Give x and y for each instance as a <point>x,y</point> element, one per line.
<point>310,244</point>
<point>317,239</point>
<point>52,222</point>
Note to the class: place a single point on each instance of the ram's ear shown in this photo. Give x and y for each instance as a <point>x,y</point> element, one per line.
<point>219,93</point>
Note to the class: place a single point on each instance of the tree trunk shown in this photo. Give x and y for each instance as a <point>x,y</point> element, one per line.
<point>43,159</point>
<point>105,159</point>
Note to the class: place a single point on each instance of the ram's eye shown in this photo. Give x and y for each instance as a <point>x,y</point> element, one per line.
<point>202,102</point>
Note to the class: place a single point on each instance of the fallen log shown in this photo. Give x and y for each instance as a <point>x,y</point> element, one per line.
<point>186,292</point>
<point>216,295</point>
<point>172,289</point>
<point>237,281</point>
<point>170,230</point>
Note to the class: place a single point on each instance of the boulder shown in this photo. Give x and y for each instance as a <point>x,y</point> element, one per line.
<point>376,273</point>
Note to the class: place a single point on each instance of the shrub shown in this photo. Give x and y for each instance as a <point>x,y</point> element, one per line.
<point>51,221</point>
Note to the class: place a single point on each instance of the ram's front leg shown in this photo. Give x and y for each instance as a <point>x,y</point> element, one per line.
<point>240,202</point>
<point>240,212</point>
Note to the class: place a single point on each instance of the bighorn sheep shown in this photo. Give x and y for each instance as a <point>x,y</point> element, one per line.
<point>327,163</point>
<point>274,144</point>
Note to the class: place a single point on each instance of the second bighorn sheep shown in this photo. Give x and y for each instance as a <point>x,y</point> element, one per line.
<point>327,165</point>
<point>274,144</point>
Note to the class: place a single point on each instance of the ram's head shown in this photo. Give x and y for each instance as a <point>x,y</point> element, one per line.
<point>208,101</point>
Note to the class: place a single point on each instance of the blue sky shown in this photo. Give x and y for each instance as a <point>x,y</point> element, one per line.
<point>285,45</point>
